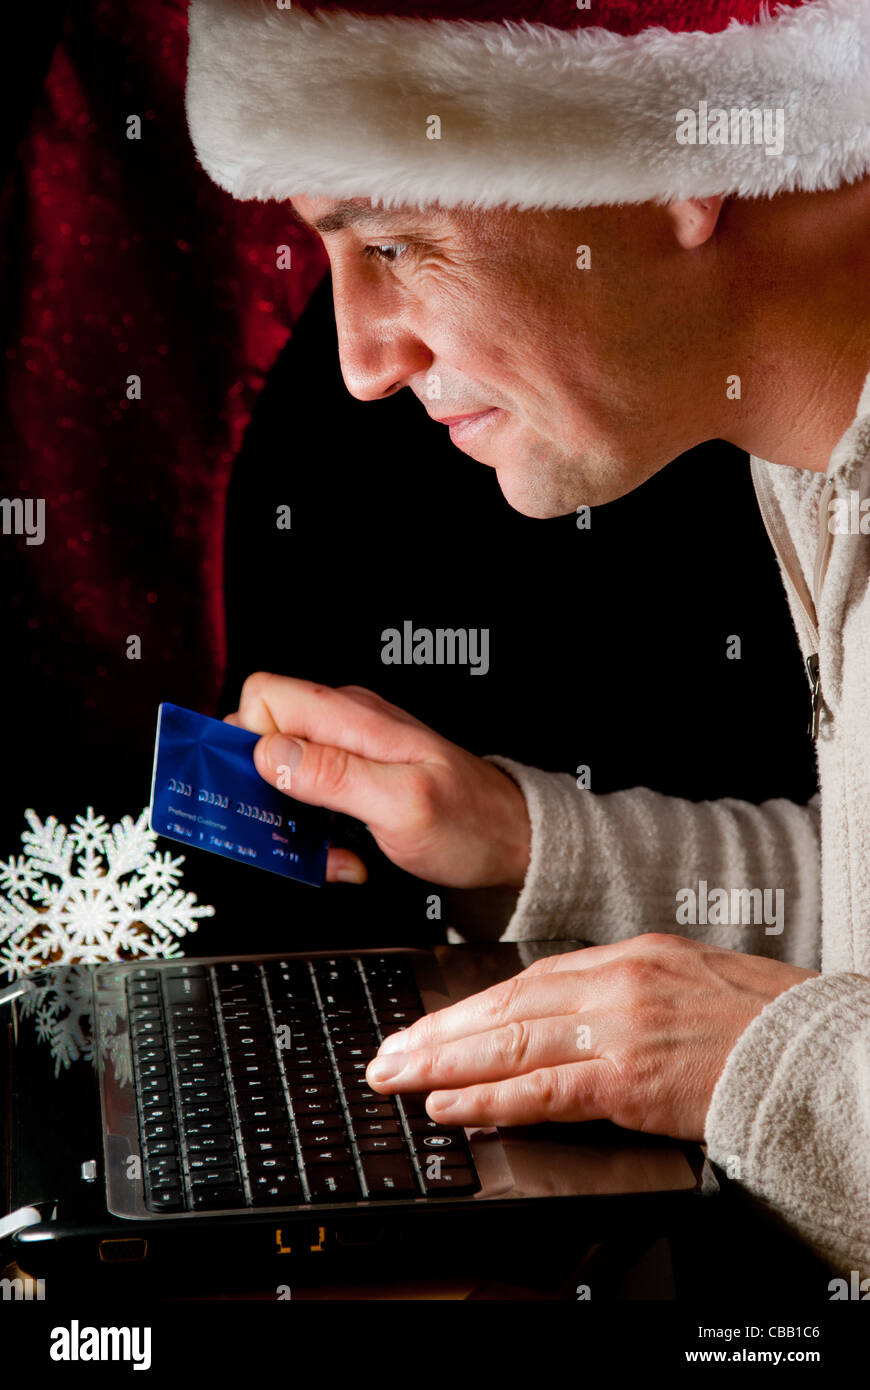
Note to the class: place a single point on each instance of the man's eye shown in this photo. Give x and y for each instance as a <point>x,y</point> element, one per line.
<point>388,252</point>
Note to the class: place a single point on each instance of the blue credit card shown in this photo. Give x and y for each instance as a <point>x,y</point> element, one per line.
<point>206,791</point>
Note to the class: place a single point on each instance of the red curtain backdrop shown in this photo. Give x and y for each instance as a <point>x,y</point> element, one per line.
<point>120,258</point>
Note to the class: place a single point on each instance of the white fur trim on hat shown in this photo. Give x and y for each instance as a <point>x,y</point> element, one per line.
<point>281,102</point>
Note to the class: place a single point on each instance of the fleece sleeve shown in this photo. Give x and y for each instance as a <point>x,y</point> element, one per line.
<point>790,1116</point>
<point>607,867</point>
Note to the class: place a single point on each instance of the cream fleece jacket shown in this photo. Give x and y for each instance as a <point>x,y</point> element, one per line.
<point>790,1113</point>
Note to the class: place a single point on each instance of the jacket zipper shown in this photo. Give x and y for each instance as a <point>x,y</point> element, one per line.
<point>815,695</point>
<point>807,603</point>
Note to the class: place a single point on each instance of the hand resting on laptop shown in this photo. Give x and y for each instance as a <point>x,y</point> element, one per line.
<point>636,1032</point>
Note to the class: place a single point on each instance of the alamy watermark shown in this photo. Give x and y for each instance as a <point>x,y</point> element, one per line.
<point>441,646</point>
<point>856,1288</point>
<point>23,516</point>
<point>741,125</point>
<point>77,1343</point>
<point>849,516</point>
<point>737,907</point>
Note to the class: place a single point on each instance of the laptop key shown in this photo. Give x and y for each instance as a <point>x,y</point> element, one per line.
<point>277,1163</point>
<point>148,1028</point>
<point>333,1184</point>
<point>198,1110</point>
<point>161,1130</point>
<point>150,1071</point>
<point>187,1051</point>
<point>259,1150</point>
<point>385,1000</point>
<point>275,1189</point>
<point>348,1053</point>
<point>195,1030</point>
<point>160,1147</point>
<point>180,1013</point>
<point>204,1172</point>
<point>199,1066</point>
<point>373,1143</point>
<point>201,1129</point>
<point>265,1073</point>
<point>201,1145</point>
<point>252,1052</point>
<point>155,1093</point>
<point>389,1175</point>
<point>312,1091</point>
<point>159,1180</point>
<point>323,1105</point>
<point>381,1111</point>
<point>217,1198</point>
<point>194,1088</point>
<point>187,989</point>
<point>166,1199</point>
<point>439,1143</point>
<point>270,1129</point>
<point>149,1015</point>
<point>331,1120</point>
<point>394,1020</point>
<point>439,1180</point>
<point>447,1158</point>
<point>264,1114</point>
<point>143,996</point>
<point>316,1139</point>
<point>155,1114</point>
<point>363,1128</point>
<point>424,1124</point>
<point>350,1067</point>
<point>414,1103</point>
<point>337,1154</point>
<point>159,1164</point>
<point>361,1095</point>
<point>251,1089</point>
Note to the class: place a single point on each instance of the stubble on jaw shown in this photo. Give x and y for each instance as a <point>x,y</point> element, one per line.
<point>554,482</point>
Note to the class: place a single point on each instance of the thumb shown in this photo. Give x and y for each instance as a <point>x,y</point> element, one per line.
<point>324,776</point>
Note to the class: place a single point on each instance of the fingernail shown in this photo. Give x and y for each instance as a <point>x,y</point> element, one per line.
<point>350,874</point>
<point>385,1068</point>
<point>284,752</point>
<point>444,1100</point>
<point>394,1043</point>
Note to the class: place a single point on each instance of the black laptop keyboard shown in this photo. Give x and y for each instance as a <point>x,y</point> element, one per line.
<point>251,1091</point>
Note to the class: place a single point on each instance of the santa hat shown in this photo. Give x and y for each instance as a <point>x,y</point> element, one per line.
<point>540,105</point>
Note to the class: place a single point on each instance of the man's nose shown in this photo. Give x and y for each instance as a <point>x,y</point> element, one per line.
<point>378,352</point>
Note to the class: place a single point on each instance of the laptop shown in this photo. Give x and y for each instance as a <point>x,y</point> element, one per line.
<point>209,1113</point>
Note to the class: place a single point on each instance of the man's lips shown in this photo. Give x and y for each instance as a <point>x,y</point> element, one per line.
<point>465,427</point>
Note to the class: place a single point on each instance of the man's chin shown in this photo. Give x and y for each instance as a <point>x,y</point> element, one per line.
<point>534,495</point>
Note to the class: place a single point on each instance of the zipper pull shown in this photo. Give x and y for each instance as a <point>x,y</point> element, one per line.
<point>816,694</point>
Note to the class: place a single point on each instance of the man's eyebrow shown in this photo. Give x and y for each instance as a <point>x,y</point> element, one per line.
<point>347,214</point>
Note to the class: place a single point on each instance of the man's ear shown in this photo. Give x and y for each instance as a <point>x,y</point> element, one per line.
<point>694,221</point>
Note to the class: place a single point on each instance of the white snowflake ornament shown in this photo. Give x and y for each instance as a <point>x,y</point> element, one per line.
<point>119,900</point>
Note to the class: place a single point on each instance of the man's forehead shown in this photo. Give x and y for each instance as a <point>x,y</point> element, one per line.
<point>326,215</point>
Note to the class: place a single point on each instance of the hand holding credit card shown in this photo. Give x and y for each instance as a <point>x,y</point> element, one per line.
<point>206,792</point>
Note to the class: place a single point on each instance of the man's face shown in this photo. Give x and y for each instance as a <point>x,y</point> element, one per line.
<point>577,384</point>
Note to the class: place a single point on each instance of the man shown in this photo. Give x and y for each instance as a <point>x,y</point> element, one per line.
<point>587,245</point>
